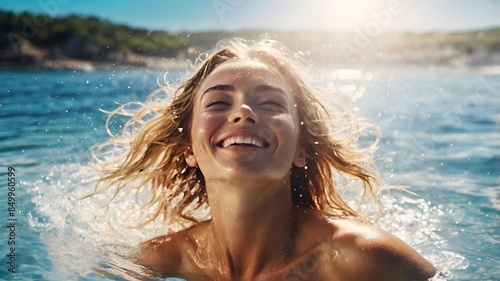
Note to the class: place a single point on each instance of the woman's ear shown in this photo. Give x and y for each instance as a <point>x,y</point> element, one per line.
<point>300,158</point>
<point>191,159</point>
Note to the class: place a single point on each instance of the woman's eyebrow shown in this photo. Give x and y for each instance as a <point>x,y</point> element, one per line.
<point>220,87</point>
<point>258,89</point>
<point>266,88</point>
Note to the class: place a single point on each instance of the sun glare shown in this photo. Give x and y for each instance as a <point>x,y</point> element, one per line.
<point>346,14</point>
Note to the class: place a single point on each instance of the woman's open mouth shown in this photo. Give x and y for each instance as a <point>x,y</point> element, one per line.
<point>249,141</point>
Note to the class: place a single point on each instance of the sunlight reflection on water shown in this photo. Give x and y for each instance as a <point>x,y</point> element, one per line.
<point>452,224</point>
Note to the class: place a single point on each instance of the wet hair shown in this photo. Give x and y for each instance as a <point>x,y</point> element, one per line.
<point>152,144</point>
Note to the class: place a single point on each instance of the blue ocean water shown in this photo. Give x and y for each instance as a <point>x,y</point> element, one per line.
<point>440,136</point>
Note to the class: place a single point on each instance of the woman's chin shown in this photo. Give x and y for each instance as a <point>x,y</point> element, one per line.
<point>239,172</point>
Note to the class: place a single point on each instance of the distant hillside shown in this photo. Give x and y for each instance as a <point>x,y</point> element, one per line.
<point>37,40</point>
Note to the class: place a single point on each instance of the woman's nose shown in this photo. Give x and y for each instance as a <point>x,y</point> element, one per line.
<point>244,113</point>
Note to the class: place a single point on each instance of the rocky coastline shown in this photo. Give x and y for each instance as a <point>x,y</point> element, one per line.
<point>80,54</point>
<point>25,55</point>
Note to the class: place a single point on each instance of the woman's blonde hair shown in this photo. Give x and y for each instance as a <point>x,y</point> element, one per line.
<point>157,136</point>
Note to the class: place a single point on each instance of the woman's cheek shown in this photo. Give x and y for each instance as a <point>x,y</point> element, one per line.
<point>282,125</point>
<point>207,122</point>
<point>200,130</point>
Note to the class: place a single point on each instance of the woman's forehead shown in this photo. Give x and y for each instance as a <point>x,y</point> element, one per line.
<point>244,71</point>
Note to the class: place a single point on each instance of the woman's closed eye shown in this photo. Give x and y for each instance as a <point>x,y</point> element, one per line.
<point>217,103</point>
<point>273,104</point>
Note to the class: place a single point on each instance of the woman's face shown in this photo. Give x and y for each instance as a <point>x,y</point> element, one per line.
<point>244,125</point>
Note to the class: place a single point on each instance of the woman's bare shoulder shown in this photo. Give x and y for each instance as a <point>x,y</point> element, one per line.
<point>165,255</point>
<point>368,251</point>
<point>161,254</point>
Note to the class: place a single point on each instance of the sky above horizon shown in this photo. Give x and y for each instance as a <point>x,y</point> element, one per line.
<point>300,15</point>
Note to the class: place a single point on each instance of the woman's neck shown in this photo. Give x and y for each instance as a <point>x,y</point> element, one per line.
<point>252,224</point>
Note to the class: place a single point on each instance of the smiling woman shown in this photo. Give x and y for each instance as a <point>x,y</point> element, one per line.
<point>248,140</point>
<point>244,102</point>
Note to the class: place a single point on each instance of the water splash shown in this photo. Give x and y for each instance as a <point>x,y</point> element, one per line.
<point>97,233</point>
<point>418,223</point>
<point>93,231</point>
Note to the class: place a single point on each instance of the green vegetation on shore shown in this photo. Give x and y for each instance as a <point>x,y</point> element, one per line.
<point>101,36</point>
<point>108,37</point>
<point>95,40</point>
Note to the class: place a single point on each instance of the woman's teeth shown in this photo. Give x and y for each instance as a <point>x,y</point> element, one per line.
<point>243,141</point>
